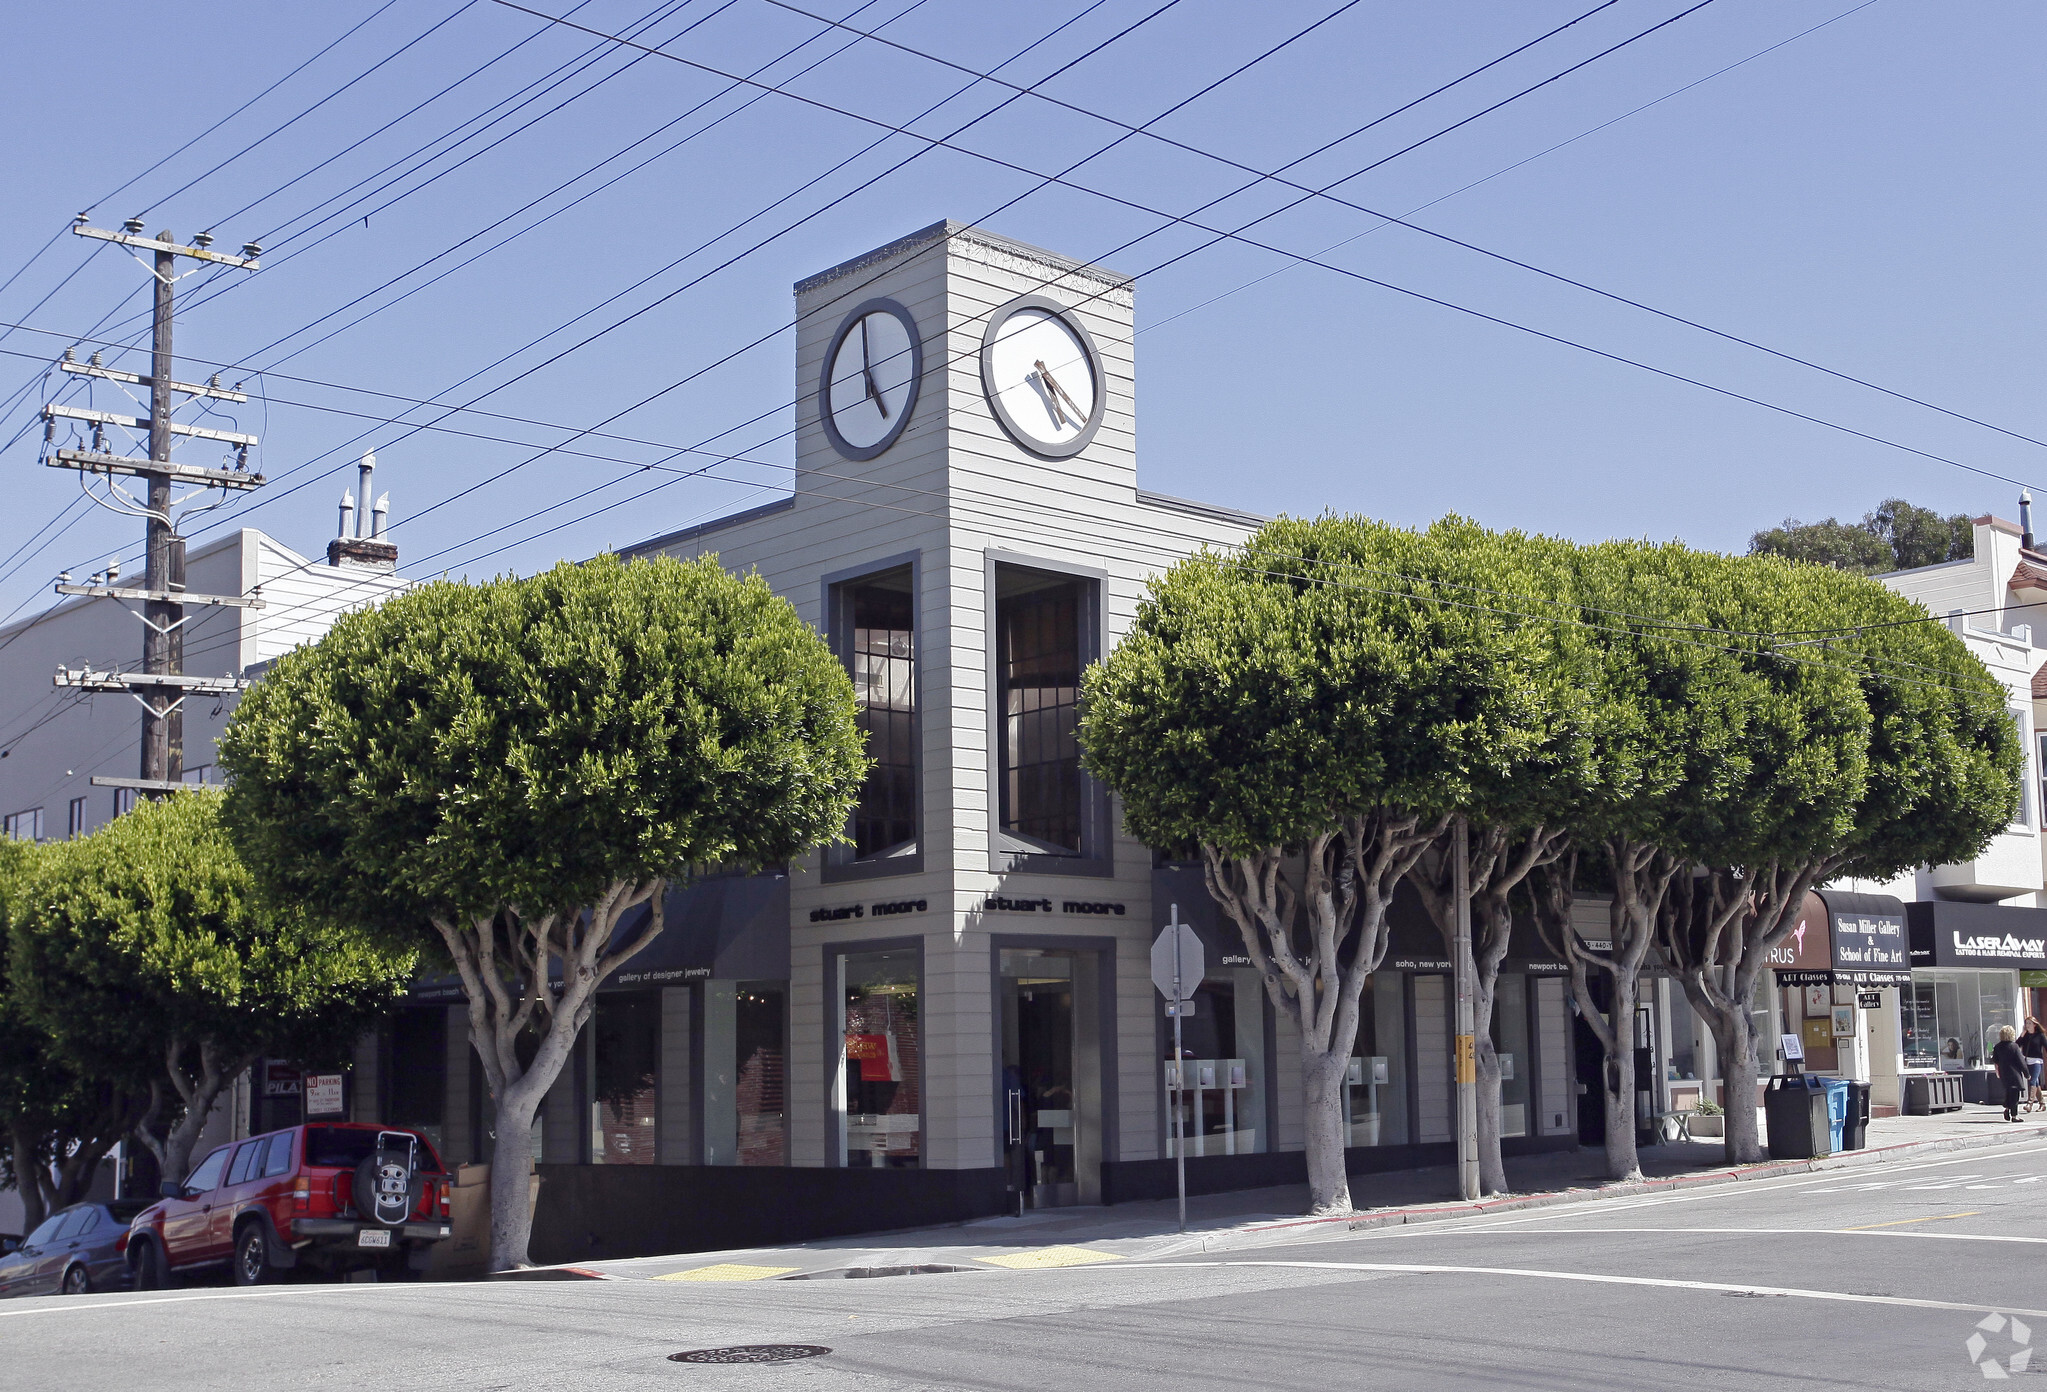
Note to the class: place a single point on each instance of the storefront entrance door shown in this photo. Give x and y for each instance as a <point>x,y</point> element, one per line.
<point>1051,1108</point>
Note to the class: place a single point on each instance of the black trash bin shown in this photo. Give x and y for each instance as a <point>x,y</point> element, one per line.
<point>1855,1131</point>
<point>1800,1125</point>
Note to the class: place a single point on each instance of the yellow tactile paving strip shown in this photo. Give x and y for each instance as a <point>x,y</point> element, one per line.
<point>1051,1256</point>
<point>728,1271</point>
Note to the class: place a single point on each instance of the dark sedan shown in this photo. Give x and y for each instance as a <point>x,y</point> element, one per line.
<point>78,1249</point>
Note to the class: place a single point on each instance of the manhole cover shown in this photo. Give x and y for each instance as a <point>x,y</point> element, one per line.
<point>751,1353</point>
<point>857,1272</point>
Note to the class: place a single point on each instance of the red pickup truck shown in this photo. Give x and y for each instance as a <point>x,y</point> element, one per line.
<point>329,1197</point>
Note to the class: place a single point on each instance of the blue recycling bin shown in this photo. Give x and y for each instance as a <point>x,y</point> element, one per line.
<point>1837,1108</point>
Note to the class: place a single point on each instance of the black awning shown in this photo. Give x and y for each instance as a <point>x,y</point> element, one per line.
<point>1950,933</point>
<point>1869,943</point>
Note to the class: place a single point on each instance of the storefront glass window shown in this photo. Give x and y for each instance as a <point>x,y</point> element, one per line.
<point>1222,1097</point>
<point>625,1053</point>
<point>745,1122</point>
<point>878,618</point>
<point>1967,1008</point>
<point>1510,1044</point>
<point>419,1071</point>
<point>1921,1032</point>
<point>881,1073</point>
<point>1038,637</point>
<point>1375,1094</point>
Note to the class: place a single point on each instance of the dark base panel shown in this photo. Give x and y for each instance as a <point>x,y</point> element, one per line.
<point>1130,1181</point>
<point>591,1212</point>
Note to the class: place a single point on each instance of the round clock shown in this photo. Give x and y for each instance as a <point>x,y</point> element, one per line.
<point>869,384</point>
<point>1043,376</point>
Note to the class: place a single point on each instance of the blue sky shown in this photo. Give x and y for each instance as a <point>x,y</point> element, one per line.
<point>1865,195</point>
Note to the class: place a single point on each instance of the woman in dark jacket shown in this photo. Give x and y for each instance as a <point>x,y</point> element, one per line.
<point>2033,1044</point>
<point>2011,1069</point>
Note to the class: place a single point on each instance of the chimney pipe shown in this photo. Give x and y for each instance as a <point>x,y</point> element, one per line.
<point>347,512</point>
<point>380,514</point>
<point>2026,518</point>
<point>364,470</point>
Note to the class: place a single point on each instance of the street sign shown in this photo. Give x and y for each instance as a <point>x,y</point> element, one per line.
<point>1193,963</point>
<point>1177,966</point>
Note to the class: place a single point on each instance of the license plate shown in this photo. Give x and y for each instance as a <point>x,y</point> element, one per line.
<point>371,1237</point>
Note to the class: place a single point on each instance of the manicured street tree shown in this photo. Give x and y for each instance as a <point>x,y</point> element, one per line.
<point>1938,778</point>
<point>504,770</point>
<point>1519,821</point>
<point>1309,713</point>
<point>1696,735</point>
<point>59,1123</point>
<point>148,941</point>
<point>1500,860</point>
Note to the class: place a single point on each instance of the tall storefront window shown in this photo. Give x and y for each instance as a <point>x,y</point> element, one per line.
<point>1038,623</point>
<point>745,1072</point>
<point>877,632</point>
<point>625,1061</point>
<point>1222,1089</point>
<point>1510,1046</point>
<point>1375,1093</point>
<point>881,1065</point>
<point>417,1069</point>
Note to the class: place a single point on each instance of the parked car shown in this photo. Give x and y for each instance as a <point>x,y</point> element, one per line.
<point>326,1197</point>
<point>77,1249</point>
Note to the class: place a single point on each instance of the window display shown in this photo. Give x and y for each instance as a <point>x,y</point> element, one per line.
<point>1375,1093</point>
<point>880,1085</point>
<point>745,1122</point>
<point>625,1053</point>
<point>1952,1017</point>
<point>1222,1097</point>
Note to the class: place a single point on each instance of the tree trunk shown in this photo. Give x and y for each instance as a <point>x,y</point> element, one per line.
<point>1322,1078</point>
<point>28,1181</point>
<point>174,1150</point>
<point>511,1169</point>
<point>1743,1143</point>
<point>1296,936</point>
<point>1623,1161</point>
<point>1492,1167</point>
<point>1501,861</point>
<point>504,960</point>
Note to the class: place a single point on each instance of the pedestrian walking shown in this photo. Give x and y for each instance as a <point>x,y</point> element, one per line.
<point>2033,1044</point>
<point>2011,1069</point>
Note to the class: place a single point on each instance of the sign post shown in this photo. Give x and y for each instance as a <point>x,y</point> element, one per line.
<point>1465,972</point>
<point>1178,962</point>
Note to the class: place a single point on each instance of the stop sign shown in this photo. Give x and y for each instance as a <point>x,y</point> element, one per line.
<point>1193,961</point>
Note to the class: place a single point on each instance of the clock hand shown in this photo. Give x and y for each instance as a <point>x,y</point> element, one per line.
<point>1059,394</point>
<point>867,372</point>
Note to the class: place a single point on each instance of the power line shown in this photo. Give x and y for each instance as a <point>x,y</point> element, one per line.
<point>350,33</point>
<point>294,120</point>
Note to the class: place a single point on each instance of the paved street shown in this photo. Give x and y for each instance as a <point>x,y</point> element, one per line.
<point>1848,1279</point>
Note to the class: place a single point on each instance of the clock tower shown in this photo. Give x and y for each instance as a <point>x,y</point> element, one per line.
<point>959,354</point>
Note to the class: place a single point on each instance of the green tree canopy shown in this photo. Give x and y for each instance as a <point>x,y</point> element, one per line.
<point>1896,536</point>
<point>146,953</point>
<point>507,768</point>
<point>1309,713</point>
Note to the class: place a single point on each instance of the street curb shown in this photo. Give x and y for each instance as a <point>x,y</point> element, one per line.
<point>1848,1160</point>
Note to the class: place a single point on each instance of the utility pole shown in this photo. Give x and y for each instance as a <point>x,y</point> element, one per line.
<point>161,685</point>
<point>1466,971</point>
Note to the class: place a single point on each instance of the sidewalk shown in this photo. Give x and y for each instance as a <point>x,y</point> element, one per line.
<point>1259,1217</point>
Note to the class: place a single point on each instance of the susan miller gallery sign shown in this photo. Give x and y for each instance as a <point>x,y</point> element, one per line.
<point>1846,940</point>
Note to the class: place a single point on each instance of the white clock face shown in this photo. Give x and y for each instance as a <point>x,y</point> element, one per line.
<point>1041,375</point>
<point>871,381</point>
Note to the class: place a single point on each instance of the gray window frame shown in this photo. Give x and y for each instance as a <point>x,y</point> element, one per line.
<point>836,863</point>
<point>1098,843</point>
